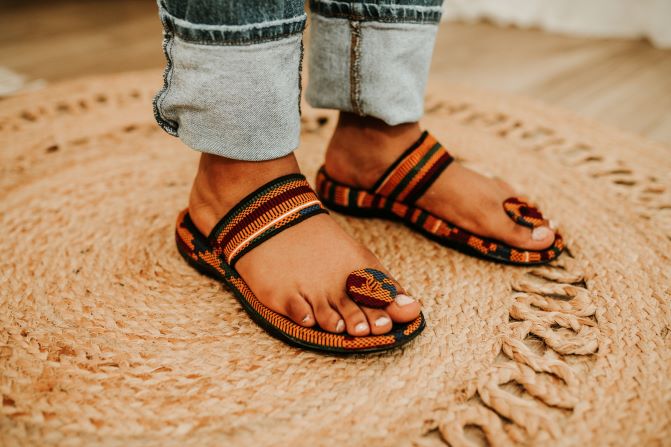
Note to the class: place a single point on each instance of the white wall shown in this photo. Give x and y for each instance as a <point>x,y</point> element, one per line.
<point>599,18</point>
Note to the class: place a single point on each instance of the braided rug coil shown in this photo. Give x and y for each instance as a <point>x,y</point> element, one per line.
<point>108,338</point>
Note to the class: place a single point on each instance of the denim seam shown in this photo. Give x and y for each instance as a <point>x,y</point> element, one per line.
<point>238,43</point>
<point>300,77</point>
<point>354,68</point>
<point>168,125</point>
<point>196,44</point>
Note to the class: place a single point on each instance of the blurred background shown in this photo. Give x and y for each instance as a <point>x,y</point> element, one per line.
<point>608,60</point>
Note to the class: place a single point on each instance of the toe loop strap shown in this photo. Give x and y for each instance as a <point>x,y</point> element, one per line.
<point>371,288</point>
<point>523,213</point>
<point>411,175</point>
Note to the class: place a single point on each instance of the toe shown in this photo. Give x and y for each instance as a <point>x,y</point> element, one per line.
<point>404,308</point>
<point>327,317</point>
<point>378,320</point>
<point>355,320</point>
<point>299,310</point>
<point>538,238</point>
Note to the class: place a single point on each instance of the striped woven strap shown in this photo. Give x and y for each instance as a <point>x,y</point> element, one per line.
<point>269,210</point>
<point>414,171</point>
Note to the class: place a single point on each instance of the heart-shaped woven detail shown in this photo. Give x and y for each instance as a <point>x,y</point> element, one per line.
<point>523,213</point>
<point>371,288</point>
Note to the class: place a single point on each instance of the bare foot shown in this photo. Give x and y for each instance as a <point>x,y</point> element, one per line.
<point>362,148</point>
<point>301,272</point>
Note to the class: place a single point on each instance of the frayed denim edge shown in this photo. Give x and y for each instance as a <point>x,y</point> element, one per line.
<point>168,125</point>
<point>300,77</point>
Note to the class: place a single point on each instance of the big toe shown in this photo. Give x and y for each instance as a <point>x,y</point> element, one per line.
<point>535,239</point>
<point>404,308</point>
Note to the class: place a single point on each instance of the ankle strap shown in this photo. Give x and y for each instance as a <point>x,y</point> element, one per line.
<point>266,212</point>
<point>414,171</point>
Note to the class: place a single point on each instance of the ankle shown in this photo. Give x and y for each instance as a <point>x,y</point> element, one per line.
<point>221,183</point>
<point>362,148</point>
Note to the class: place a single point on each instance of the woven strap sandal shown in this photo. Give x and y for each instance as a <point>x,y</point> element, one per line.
<point>394,195</point>
<point>271,209</point>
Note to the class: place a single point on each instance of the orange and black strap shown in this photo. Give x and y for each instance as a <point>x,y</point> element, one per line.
<point>414,171</point>
<point>271,209</point>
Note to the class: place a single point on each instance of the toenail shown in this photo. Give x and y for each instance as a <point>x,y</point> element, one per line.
<point>540,233</point>
<point>361,327</point>
<point>340,326</point>
<point>306,319</point>
<point>403,300</point>
<point>382,321</point>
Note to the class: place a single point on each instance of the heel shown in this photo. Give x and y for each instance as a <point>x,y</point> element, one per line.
<point>200,267</point>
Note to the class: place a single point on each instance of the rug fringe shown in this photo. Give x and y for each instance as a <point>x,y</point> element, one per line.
<point>551,303</point>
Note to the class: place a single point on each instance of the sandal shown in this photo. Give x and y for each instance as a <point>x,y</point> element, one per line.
<point>394,195</point>
<point>274,207</point>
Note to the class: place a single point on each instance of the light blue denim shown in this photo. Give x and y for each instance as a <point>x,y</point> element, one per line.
<point>232,82</point>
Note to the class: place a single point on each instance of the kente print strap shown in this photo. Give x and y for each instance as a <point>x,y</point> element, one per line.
<point>271,209</point>
<point>414,171</point>
<point>371,288</point>
<point>523,213</point>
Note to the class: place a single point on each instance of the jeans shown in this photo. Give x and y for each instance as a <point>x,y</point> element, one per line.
<point>232,82</point>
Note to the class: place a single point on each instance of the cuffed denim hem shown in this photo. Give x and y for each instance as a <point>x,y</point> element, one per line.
<point>240,102</point>
<point>419,11</point>
<point>370,68</point>
<point>220,34</point>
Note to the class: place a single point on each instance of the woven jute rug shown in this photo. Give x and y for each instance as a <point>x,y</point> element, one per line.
<point>108,338</point>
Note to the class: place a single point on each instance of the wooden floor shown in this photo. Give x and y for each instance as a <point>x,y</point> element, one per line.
<point>626,84</point>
